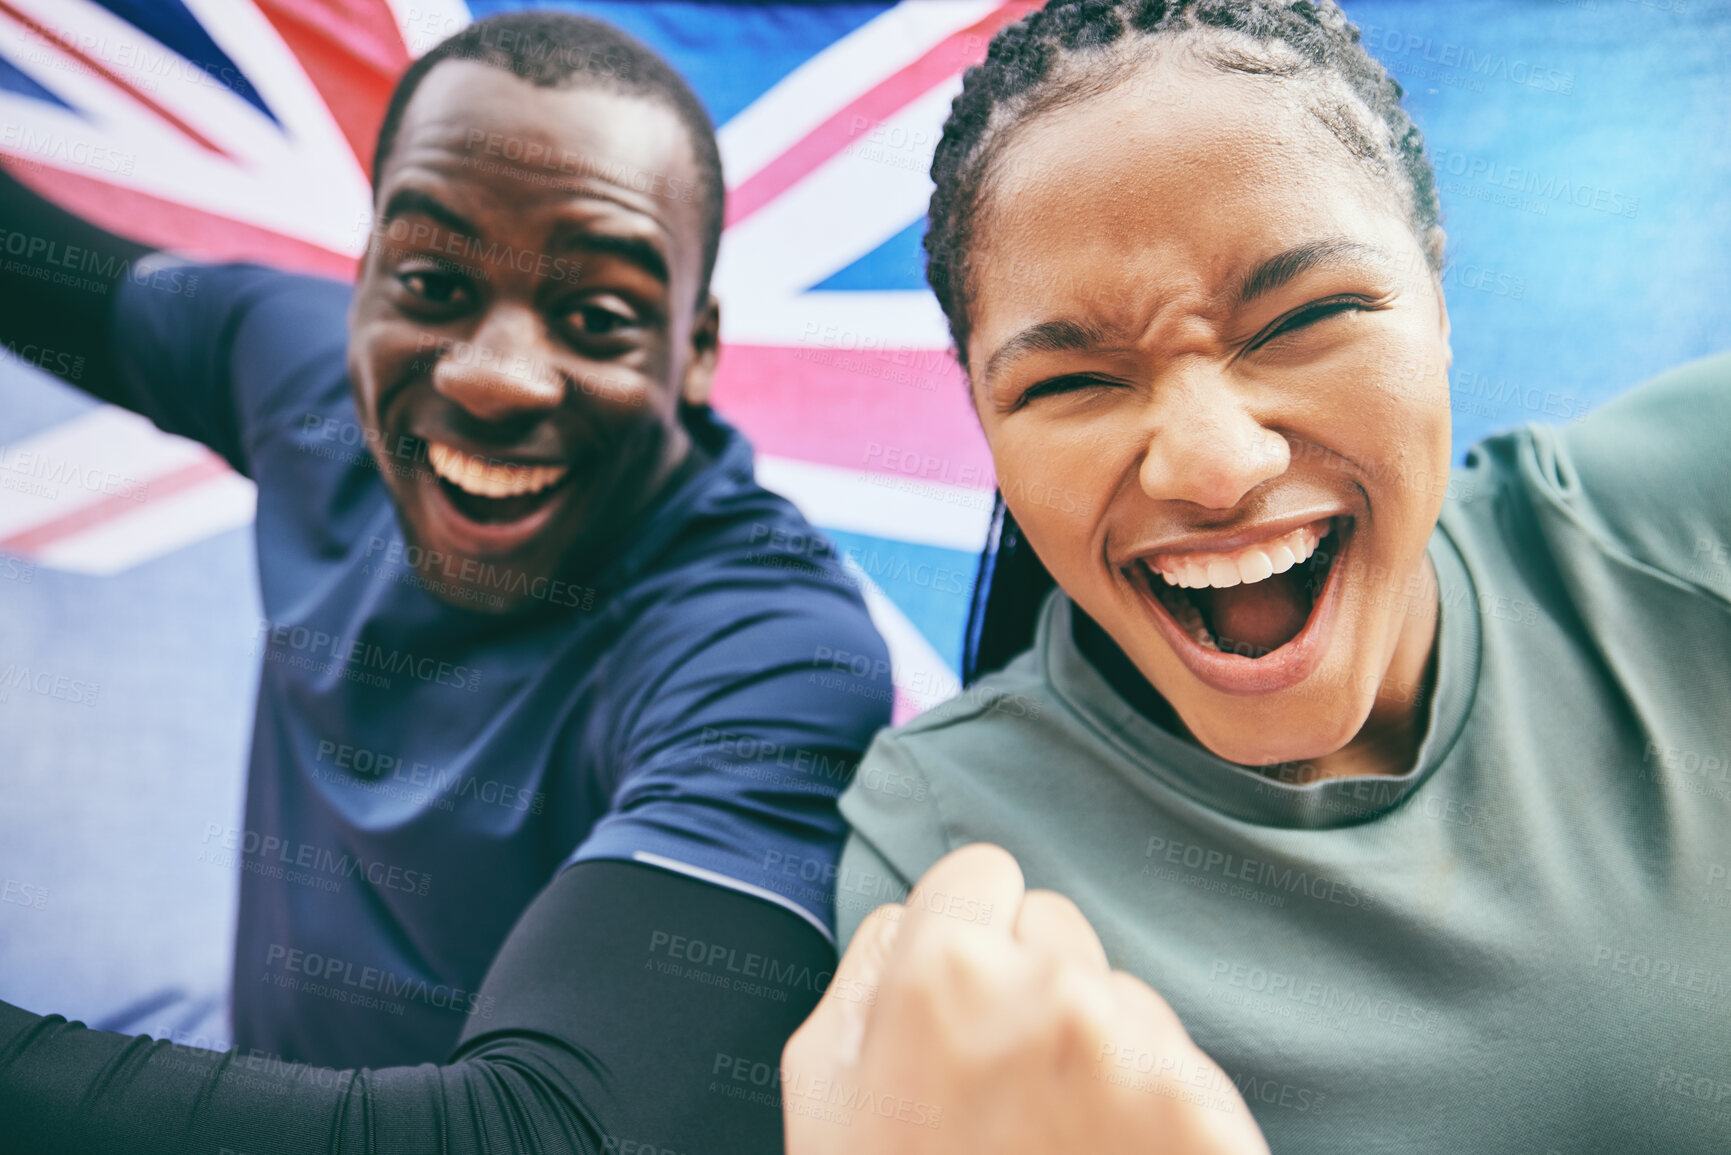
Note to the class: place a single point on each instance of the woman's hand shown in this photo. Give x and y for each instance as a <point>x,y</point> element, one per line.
<point>982,1017</point>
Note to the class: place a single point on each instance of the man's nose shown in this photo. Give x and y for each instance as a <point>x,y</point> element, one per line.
<point>503,371</point>
<point>1206,446</point>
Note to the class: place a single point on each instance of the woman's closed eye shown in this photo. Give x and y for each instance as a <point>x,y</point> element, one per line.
<point>1064,383</point>
<point>1312,312</point>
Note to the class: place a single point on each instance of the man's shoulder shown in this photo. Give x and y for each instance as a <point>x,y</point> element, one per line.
<point>165,287</point>
<point>739,543</point>
<point>743,592</point>
<point>284,335</point>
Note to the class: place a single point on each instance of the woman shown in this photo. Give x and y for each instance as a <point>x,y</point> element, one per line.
<point>1408,794</point>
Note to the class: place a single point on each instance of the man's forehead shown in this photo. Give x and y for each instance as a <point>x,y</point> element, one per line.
<point>488,142</point>
<point>501,122</point>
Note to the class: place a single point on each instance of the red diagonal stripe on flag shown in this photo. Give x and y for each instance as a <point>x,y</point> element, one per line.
<point>840,409</point>
<point>46,533</point>
<point>353,54</point>
<point>169,224</point>
<point>952,54</point>
<point>113,77</point>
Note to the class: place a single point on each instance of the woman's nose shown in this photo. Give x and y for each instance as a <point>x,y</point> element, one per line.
<point>1206,446</point>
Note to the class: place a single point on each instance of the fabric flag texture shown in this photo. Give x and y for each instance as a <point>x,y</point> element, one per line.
<point>243,130</point>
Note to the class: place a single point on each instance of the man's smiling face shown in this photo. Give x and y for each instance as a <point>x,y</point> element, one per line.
<point>526,320</point>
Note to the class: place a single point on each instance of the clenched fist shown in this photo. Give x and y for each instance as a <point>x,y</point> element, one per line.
<point>980,1017</point>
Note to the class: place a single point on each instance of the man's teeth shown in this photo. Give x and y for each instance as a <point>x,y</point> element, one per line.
<point>1246,566</point>
<point>485,477</point>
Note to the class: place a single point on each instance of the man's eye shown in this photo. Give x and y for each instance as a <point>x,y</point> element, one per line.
<point>435,288</point>
<point>593,320</point>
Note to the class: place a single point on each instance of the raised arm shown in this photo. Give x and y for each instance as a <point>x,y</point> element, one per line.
<point>983,1017</point>
<point>59,278</point>
<point>621,1019</point>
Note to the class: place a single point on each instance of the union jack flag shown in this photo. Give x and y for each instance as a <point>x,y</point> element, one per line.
<point>243,129</point>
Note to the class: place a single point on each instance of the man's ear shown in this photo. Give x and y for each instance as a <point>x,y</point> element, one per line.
<point>705,348</point>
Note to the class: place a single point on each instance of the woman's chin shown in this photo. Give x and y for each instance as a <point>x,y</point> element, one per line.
<point>1246,736</point>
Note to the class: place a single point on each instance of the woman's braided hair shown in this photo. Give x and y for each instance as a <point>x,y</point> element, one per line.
<point>1073,49</point>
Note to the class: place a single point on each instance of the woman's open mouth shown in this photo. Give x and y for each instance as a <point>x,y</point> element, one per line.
<point>1251,620</point>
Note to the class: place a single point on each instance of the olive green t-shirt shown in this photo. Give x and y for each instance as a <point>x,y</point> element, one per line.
<point>1521,945</point>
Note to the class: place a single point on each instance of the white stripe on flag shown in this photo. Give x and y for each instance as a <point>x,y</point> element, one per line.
<point>424,23</point>
<point>882,505</point>
<point>299,180</point>
<point>96,457</point>
<point>922,678</point>
<point>835,77</point>
<point>160,526</point>
<point>877,184</point>
<point>888,319</point>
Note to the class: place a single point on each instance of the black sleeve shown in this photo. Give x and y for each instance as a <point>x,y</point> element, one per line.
<point>636,1011</point>
<point>59,277</point>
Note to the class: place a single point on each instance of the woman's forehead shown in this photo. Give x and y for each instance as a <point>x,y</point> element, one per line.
<point>1126,185</point>
<point>1181,137</point>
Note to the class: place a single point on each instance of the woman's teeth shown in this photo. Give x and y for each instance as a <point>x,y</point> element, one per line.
<point>487,477</point>
<point>1245,566</point>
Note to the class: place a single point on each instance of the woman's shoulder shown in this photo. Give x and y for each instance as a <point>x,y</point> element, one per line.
<point>1646,476</point>
<point>923,787</point>
<point>1017,693</point>
<point>986,729</point>
<point>985,724</point>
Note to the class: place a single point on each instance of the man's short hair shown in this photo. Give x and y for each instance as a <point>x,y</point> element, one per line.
<point>564,50</point>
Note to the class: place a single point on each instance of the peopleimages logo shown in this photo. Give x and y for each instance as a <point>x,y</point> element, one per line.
<point>275,851</point>
<point>1531,182</point>
<point>393,555</point>
<point>1268,875</point>
<point>62,687</point>
<point>327,976</point>
<point>356,660</point>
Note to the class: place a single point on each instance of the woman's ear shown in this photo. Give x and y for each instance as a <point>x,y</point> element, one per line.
<point>1434,242</point>
<point>705,348</point>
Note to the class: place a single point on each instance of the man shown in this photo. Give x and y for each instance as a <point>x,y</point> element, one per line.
<point>542,783</point>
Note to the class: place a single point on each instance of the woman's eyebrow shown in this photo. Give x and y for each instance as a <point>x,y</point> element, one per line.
<point>1270,274</point>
